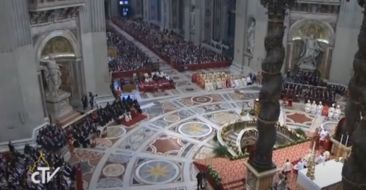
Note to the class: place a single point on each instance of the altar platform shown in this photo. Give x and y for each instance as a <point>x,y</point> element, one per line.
<point>328,176</point>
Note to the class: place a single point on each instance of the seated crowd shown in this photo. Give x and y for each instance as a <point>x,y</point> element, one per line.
<point>16,169</point>
<point>129,57</point>
<point>220,80</point>
<point>52,138</point>
<point>169,44</point>
<point>84,131</point>
<point>309,86</point>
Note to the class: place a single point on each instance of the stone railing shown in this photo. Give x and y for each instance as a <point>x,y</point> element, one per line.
<point>241,127</point>
<point>231,127</point>
<point>42,5</point>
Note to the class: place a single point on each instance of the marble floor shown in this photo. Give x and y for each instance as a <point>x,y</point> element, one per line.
<point>158,152</point>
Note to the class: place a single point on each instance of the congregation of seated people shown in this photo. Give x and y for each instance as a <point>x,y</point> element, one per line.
<point>16,169</point>
<point>84,131</point>
<point>168,44</point>
<point>154,76</point>
<point>304,85</point>
<point>52,137</point>
<point>129,57</point>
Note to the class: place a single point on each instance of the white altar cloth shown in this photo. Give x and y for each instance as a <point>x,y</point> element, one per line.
<point>326,174</point>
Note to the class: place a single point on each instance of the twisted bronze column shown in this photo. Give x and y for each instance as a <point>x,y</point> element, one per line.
<point>271,84</point>
<point>354,169</point>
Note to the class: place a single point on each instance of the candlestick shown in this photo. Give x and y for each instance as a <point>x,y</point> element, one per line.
<point>341,138</point>
<point>347,140</point>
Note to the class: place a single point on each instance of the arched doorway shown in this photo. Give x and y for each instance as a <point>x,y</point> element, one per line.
<point>310,43</point>
<point>60,74</point>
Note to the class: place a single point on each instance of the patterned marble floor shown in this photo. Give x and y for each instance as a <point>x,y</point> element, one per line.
<point>158,152</point>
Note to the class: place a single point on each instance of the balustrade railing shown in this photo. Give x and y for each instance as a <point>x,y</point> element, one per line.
<point>41,5</point>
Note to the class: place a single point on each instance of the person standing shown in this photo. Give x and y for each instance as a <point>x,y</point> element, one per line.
<point>84,101</point>
<point>91,100</point>
<point>199,177</point>
<point>287,167</point>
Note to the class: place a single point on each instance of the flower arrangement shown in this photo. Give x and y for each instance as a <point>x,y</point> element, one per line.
<point>214,175</point>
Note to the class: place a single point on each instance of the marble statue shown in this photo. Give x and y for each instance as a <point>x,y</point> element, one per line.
<point>314,108</point>
<point>251,36</point>
<point>308,107</point>
<point>309,54</point>
<point>53,78</point>
<point>331,112</point>
<point>319,108</point>
<point>337,112</point>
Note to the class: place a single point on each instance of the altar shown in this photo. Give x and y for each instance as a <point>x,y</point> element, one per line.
<point>328,176</point>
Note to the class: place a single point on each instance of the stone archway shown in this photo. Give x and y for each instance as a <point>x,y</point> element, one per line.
<point>318,34</point>
<point>58,55</point>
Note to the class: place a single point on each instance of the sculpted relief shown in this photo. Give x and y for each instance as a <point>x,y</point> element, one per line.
<point>251,35</point>
<point>310,39</point>
<point>310,52</point>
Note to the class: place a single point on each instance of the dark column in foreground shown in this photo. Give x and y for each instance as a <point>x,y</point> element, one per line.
<point>354,169</point>
<point>271,84</point>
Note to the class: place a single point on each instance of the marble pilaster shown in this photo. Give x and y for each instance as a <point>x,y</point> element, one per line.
<point>240,32</point>
<point>94,48</point>
<point>20,98</point>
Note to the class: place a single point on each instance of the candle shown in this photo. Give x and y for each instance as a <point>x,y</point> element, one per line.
<point>314,146</point>
<point>347,140</point>
<point>341,138</point>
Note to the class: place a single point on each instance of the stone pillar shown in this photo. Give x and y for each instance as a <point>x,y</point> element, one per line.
<point>164,15</point>
<point>197,21</point>
<point>94,48</point>
<point>290,52</point>
<point>261,166</point>
<point>326,63</point>
<point>240,32</point>
<point>354,168</point>
<point>20,98</point>
<point>187,19</point>
<point>348,26</point>
<point>224,21</point>
<point>114,8</point>
<point>136,6</point>
<point>146,8</point>
<point>207,19</point>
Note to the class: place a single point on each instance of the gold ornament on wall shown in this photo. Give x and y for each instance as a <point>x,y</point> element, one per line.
<point>311,28</point>
<point>57,45</point>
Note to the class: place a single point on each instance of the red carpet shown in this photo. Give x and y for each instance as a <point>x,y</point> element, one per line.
<point>134,120</point>
<point>233,172</point>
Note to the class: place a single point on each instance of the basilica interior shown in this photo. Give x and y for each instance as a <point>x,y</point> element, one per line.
<point>182,94</point>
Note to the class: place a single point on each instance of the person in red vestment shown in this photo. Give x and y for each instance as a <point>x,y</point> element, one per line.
<point>79,177</point>
<point>289,102</point>
<point>325,110</point>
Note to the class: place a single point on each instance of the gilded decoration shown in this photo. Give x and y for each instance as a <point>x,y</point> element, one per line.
<point>57,45</point>
<point>311,28</point>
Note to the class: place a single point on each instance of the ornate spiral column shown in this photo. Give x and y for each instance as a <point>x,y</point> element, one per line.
<point>271,84</point>
<point>354,169</point>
